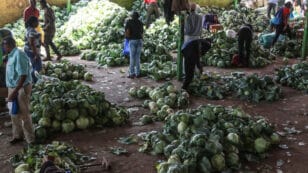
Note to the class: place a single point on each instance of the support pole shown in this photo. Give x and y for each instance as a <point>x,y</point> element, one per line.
<point>305,39</point>
<point>68,6</point>
<point>180,42</point>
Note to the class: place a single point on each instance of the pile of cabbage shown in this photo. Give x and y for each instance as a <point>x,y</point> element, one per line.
<point>295,76</point>
<point>161,100</point>
<point>65,157</point>
<point>246,87</point>
<point>66,71</point>
<point>235,18</point>
<point>288,48</point>
<point>58,106</point>
<point>158,70</point>
<point>211,138</point>
<point>223,49</point>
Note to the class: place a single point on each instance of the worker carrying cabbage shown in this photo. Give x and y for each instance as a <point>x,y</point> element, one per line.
<point>152,8</point>
<point>245,35</point>
<point>192,51</point>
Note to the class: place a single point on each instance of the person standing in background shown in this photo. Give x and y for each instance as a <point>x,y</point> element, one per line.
<point>245,36</point>
<point>271,5</point>
<point>192,25</point>
<point>33,46</point>
<point>19,84</point>
<point>31,11</point>
<point>152,8</point>
<point>49,30</point>
<point>134,32</point>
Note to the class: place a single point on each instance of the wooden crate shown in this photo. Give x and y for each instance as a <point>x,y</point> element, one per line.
<point>216,27</point>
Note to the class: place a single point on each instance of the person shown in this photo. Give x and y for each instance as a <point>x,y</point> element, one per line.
<point>152,9</point>
<point>283,26</point>
<point>19,84</point>
<point>48,166</point>
<point>271,5</point>
<point>245,36</point>
<point>31,10</point>
<point>49,30</point>
<point>192,53</point>
<point>192,25</point>
<point>33,45</point>
<point>134,32</point>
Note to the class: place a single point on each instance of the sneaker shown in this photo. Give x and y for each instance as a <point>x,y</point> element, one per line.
<point>131,76</point>
<point>59,57</point>
<point>46,59</point>
<point>15,141</point>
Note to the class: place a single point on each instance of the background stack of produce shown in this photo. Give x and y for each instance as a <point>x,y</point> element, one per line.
<point>251,87</point>
<point>66,71</point>
<point>295,76</point>
<point>223,49</point>
<point>65,156</point>
<point>210,139</point>
<point>288,48</point>
<point>65,106</point>
<point>163,99</point>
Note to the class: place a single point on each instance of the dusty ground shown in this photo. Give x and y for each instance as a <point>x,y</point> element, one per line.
<point>291,111</point>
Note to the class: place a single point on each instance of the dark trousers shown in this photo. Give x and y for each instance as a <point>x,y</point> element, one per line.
<point>190,64</point>
<point>244,44</point>
<point>279,30</point>
<point>48,42</point>
<point>151,9</point>
<point>270,7</point>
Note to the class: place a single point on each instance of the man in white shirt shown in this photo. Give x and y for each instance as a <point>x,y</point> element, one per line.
<point>271,6</point>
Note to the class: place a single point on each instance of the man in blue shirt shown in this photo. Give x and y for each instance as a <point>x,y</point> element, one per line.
<point>19,84</point>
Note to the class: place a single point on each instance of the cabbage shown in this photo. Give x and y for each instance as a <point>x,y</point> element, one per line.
<point>82,122</point>
<point>218,162</point>
<point>56,125</point>
<point>40,133</point>
<point>171,89</point>
<point>88,76</point>
<point>233,160</point>
<point>174,159</point>
<point>160,102</point>
<point>261,145</point>
<point>72,114</point>
<point>233,138</point>
<point>158,147</point>
<point>181,127</point>
<point>44,122</point>
<point>275,139</point>
<point>68,126</point>
<point>75,75</point>
<point>21,168</point>
<point>205,165</point>
<point>146,119</point>
<point>163,167</point>
<point>153,107</point>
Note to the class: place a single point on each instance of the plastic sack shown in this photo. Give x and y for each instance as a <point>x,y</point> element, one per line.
<point>43,78</point>
<point>13,107</point>
<point>126,47</point>
<point>266,39</point>
<point>230,33</point>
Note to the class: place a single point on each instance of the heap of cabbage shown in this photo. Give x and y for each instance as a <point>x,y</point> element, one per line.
<point>160,100</point>
<point>66,71</point>
<point>251,87</point>
<point>223,49</point>
<point>235,18</point>
<point>295,76</point>
<point>210,139</point>
<point>288,48</point>
<point>59,106</point>
<point>65,157</point>
<point>158,70</point>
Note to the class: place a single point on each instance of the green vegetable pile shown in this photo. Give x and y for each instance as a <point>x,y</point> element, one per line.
<point>158,70</point>
<point>66,46</point>
<point>288,48</point>
<point>235,18</point>
<point>295,76</point>
<point>223,49</point>
<point>66,71</point>
<point>251,87</point>
<point>162,99</point>
<point>210,139</point>
<point>67,106</point>
<point>65,157</point>
<point>95,25</point>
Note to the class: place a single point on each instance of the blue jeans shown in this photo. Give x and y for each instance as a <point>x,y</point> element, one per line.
<point>135,52</point>
<point>36,65</point>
